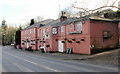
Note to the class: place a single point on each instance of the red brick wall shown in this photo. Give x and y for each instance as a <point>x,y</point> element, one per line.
<point>84,46</point>
<point>30,34</point>
<point>97,28</point>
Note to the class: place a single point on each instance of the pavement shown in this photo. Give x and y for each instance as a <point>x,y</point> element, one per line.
<point>74,56</point>
<point>16,60</point>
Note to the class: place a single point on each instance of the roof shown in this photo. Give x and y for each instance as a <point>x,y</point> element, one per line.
<point>68,21</point>
<point>54,22</point>
<point>101,19</point>
<point>38,24</point>
<point>57,22</point>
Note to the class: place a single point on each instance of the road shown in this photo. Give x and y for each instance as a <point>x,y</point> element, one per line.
<point>15,60</point>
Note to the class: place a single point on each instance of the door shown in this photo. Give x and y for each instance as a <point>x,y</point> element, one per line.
<point>60,46</point>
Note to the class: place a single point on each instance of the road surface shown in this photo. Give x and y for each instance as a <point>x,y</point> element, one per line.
<point>15,60</point>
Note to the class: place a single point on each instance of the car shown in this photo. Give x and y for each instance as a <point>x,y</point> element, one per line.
<point>12,44</point>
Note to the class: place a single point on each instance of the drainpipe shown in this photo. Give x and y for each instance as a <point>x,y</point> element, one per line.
<point>65,37</point>
<point>36,37</point>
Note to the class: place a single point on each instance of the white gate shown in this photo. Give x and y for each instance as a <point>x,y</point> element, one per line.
<point>60,46</point>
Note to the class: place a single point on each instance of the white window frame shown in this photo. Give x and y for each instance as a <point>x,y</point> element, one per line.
<point>54,30</point>
<point>79,27</point>
<point>62,28</point>
<point>71,25</point>
<point>30,31</point>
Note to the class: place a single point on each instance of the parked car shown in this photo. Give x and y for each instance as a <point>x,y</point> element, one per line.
<point>12,44</point>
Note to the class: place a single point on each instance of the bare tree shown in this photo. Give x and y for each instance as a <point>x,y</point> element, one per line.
<point>99,9</point>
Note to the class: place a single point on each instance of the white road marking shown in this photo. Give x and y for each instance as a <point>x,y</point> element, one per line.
<point>46,67</point>
<point>51,69</point>
<point>21,67</point>
<point>30,61</point>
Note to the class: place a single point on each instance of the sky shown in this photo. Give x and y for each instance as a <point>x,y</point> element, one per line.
<point>19,12</point>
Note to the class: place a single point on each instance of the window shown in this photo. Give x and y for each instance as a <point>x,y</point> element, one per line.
<point>25,32</point>
<point>107,34</point>
<point>34,30</point>
<point>46,31</point>
<point>40,32</point>
<point>79,27</point>
<point>62,28</point>
<point>30,31</point>
<point>71,25</point>
<point>43,32</point>
<point>54,30</point>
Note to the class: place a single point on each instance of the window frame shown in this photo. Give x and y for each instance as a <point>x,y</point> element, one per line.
<point>107,34</point>
<point>54,30</point>
<point>62,28</point>
<point>79,26</point>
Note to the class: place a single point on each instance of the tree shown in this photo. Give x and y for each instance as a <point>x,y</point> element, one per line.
<point>18,36</point>
<point>99,9</point>
<point>4,30</point>
<point>32,22</point>
<point>7,33</point>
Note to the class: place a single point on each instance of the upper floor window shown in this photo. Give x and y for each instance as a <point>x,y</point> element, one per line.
<point>107,34</point>
<point>34,30</point>
<point>54,30</point>
<point>62,28</point>
<point>43,32</point>
<point>71,26</point>
<point>39,32</point>
<point>25,32</point>
<point>79,27</point>
<point>46,30</point>
<point>30,31</point>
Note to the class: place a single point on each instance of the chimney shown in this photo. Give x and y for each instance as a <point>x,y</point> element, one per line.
<point>63,18</point>
<point>32,22</point>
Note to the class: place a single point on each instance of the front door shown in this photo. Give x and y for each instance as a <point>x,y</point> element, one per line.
<point>60,46</point>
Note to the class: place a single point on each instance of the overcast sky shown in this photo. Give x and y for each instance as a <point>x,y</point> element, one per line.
<point>17,12</point>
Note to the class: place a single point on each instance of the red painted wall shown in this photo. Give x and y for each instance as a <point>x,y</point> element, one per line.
<point>31,35</point>
<point>51,40</point>
<point>92,34</point>
<point>96,32</point>
<point>84,46</point>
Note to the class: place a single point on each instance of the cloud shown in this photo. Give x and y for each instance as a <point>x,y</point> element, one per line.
<point>21,11</point>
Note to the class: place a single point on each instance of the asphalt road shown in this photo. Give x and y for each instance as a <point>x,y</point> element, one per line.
<point>15,60</point>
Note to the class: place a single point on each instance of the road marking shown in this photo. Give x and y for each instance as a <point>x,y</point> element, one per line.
<point>21,67</point>
<point>46,67</point>
<point>30,61</point>
<point>51,69</point>
<point>77,68</point>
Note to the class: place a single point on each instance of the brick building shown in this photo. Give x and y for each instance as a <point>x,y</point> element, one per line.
<point>83,35</point>
<point>29,35</point>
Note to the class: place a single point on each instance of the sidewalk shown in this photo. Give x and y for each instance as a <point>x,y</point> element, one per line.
<point>64,56</point>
